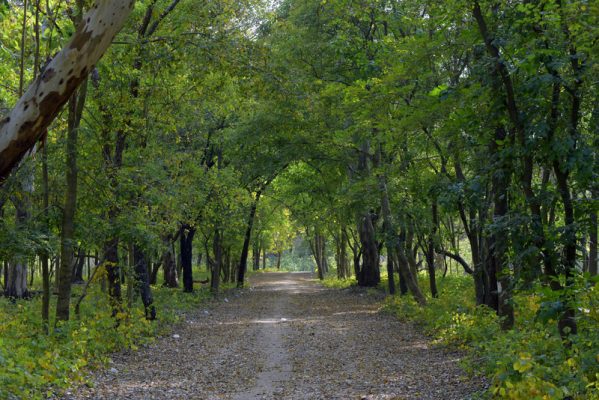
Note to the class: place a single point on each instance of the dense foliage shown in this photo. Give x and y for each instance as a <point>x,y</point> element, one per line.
<point>456,138</point>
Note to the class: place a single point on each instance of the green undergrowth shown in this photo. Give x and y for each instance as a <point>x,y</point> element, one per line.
<point>529,362</point>
<point>334,283</point>
<point>35,365</point>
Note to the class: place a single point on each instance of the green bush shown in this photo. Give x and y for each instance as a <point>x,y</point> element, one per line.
<point>528,362</point>
<point>34,365</point>
<point>335,283</point>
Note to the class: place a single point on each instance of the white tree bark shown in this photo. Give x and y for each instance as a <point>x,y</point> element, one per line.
<point>16,282</point>
<point>38,107</point>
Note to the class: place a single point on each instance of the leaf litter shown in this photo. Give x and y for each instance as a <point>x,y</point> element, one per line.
<point>286,337</point>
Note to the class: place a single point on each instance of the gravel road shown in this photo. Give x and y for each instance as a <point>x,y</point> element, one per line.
<point>286,337</point>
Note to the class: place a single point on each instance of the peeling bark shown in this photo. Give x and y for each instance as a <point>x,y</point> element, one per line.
<point>40,105</point>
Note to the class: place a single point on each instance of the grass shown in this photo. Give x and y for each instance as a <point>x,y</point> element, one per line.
<point>334,283</point>
<point>36,365</point>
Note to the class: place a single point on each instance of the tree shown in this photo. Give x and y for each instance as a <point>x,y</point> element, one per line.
<point>38,107</point>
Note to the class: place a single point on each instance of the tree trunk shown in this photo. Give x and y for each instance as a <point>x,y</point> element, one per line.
<point>567,322</point>
<point>111,255</point>
<point>390,270</point>
<point>403,286</point>
<point>343,260</point>
<point>397,244</point>
<point>178,263</point>
<point>370,274</point>
<point>246,242</point>
<point>318,255</point>
<point>357,256</point>
<point>234,265</point>
<point>45,255</point>
<point>78,267</point>
<point>171,278</point>
<point>593,244</point>
<point>142,279</point>
<point>323,254</point>
<point>42,102</point>
<point>67,238</point>
<point>4,276</point>
<point>16,276</point>
<point>279,255</point>
<point>186,242</point>
<point>256,255</point>
<point>500,295</point>
<point>430,251</point>
<point>338,257</point>
<point>410,250</point>
<point>32,274</point>
<point>218,260</point>
<point>226,265</point>
<point>16,280</point>
<point>155,268</point>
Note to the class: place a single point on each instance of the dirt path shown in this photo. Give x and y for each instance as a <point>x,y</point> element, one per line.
<point>288,338</point>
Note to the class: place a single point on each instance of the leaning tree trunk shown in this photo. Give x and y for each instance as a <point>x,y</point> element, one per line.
<point>246,242</point>
<point>78,268</point>
<point>42,102</point>
<point>154,269</point>
<point>470,228</point>
<point>398,245</point>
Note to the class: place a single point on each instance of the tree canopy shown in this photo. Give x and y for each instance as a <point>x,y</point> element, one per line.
<point>406,134</point>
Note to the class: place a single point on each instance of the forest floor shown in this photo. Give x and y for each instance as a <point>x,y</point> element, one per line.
<point>286,337</point>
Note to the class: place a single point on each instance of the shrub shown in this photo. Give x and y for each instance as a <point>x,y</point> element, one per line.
<point>34,365</point>
<point>528,362</point>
